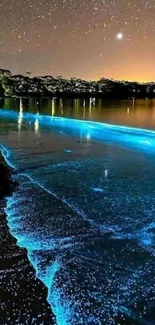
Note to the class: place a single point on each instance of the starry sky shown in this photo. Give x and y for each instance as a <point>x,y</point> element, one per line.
<point>89,39</point>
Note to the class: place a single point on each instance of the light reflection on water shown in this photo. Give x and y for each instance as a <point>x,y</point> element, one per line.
<point>138,113</point>
<point>84,209</point>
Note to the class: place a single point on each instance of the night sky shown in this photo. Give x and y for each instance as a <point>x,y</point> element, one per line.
<point>88,39</point>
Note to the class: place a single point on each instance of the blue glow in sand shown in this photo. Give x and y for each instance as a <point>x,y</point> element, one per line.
<point>96,189</point>
<point>67,151</point>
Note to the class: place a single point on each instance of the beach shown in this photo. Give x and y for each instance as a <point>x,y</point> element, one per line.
<point>83,209</point>
<point>23,296</point>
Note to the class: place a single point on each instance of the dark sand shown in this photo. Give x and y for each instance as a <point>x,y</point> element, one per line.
<point>22,295</point>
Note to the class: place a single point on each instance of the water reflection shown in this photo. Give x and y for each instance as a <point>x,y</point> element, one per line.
<point>20,117</point>
<point>36,124</point>
<point>139,113</point>
<point>53,107</point>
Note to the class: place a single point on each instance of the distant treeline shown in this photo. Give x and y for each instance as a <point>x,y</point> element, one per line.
<point>48,86</point>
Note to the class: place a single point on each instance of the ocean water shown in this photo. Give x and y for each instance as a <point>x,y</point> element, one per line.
<point>84,210</point>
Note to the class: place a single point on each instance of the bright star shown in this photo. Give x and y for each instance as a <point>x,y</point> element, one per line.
<point>120,36</point>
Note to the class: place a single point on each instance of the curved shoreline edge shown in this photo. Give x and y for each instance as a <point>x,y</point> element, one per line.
<point>23,296</point>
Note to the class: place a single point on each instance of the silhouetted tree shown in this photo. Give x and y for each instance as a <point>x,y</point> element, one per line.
<point>20,85</point>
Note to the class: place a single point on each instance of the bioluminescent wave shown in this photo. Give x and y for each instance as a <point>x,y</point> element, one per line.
<point>134,137</point>
<point>84,210</point>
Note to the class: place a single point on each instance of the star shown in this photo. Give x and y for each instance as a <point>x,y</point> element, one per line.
<point>119,36</point>
<point>66,37</point>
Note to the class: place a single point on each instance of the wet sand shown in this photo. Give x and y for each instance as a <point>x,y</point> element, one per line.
<point>22,295</point>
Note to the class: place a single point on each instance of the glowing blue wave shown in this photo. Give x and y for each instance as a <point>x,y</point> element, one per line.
<point>36,246</point>
<point>18,210</point>
<point>63,231</point>
<point>134,137</point>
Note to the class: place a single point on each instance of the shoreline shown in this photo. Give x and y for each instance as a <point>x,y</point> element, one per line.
<point>23,296</point>
<point>78,96</point>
